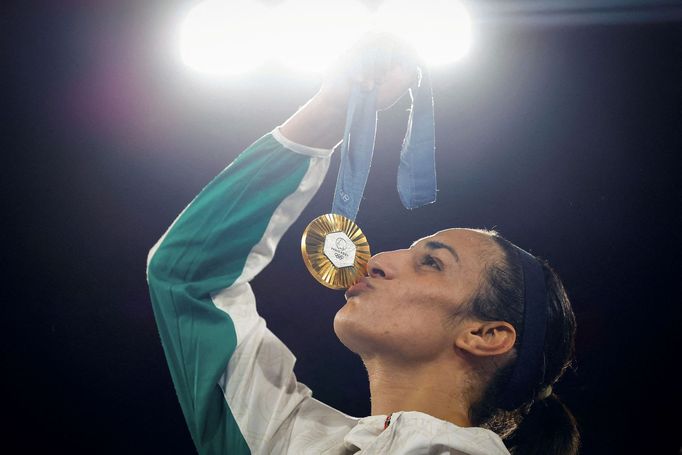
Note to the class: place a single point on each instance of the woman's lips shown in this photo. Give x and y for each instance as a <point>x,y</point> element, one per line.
<point>357,288</point>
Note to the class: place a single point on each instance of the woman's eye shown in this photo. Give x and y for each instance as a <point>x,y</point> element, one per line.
<point>429,261</point>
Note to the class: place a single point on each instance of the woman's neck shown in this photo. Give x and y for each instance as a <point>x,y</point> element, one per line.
<point>434,389</point>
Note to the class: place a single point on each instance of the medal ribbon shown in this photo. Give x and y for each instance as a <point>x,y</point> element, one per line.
<point>417,169</point>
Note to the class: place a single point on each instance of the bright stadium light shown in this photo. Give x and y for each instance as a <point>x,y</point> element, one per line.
<point>439,30</point>
<point>225,36</point>
<point>234,36</point>
<point>313,33</point>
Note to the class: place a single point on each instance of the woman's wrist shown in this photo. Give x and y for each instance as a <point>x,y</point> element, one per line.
<point>319,123</point>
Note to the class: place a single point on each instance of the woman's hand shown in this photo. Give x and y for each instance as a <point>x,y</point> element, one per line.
<point>393,70</point>
<point>320,123</point>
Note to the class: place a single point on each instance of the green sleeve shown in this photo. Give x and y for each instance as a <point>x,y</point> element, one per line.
<point>204,251</point>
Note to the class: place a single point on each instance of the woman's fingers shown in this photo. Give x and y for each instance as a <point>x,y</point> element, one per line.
<point>376,61</point>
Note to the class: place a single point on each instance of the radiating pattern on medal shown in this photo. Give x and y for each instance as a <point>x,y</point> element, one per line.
<point>335,251</point>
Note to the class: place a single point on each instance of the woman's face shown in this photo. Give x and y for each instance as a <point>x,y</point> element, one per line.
<point>402,307</point>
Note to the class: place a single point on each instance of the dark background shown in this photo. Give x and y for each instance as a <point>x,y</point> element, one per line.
<point>563,134</point>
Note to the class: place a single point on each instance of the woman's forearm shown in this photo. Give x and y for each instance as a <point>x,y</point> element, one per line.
<point>319,123</point>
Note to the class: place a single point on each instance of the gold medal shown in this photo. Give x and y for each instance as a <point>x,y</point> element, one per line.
<point>335,251</point>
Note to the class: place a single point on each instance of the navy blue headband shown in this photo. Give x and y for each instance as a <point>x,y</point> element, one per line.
<point>530,367</point>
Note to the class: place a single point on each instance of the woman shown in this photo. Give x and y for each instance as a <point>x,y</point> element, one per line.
<point>463,334</point>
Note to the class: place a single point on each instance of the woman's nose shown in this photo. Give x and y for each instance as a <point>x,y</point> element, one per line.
<point>382,265</point>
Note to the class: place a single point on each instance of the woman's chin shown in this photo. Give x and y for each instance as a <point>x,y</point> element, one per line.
<point>348,328</point>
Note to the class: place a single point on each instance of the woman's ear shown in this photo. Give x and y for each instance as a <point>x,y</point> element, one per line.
<point>486,338</point>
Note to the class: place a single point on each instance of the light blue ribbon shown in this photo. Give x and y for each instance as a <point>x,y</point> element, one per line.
<point>417,169</point>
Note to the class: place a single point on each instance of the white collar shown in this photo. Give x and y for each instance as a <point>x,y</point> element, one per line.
<point>412,430</point>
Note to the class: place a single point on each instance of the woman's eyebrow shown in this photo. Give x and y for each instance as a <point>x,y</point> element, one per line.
<point>435,245</point>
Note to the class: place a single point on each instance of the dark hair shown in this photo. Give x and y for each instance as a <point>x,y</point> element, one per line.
<point>538,426</point>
